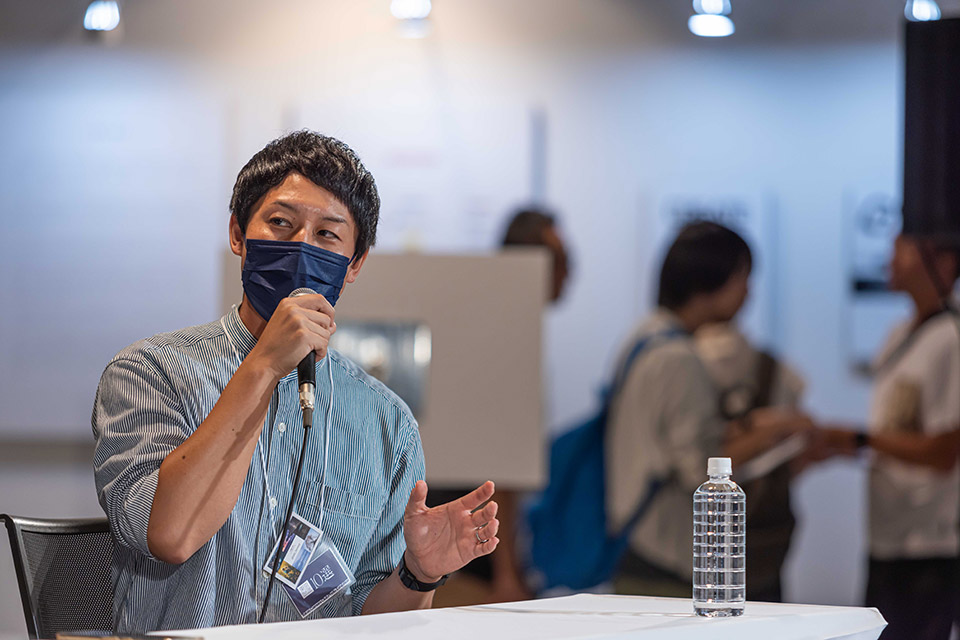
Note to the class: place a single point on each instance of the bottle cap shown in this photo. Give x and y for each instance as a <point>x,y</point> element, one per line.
<point>719,467</point>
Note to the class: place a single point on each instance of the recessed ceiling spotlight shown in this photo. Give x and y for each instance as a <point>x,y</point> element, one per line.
<point>413,16</point>
<point>713,7</point>
<point>102,15</point>
<point>709,25</point>
<point>710,19</point>
<point>410,9</point>
<point>921,10</point>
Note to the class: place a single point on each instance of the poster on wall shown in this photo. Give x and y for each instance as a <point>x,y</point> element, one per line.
<point>873,220</point>
<point>750,215</point>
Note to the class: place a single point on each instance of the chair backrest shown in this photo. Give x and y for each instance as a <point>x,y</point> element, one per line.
<point>63,569</point>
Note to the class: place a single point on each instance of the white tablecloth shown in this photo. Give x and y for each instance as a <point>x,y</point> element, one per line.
<point>579,616</point>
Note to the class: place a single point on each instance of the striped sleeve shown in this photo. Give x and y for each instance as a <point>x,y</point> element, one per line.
<point>137,420</point>
<point>387,544</point>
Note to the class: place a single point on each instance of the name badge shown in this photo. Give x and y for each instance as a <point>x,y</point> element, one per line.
<point>297,545</point>
<point>325,576</point>
<point>311,569</point>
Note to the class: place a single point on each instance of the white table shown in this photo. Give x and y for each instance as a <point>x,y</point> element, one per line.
<point>580,616</point>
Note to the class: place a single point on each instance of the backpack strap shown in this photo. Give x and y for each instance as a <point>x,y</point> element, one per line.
<point>766,372</point>
<point>655,484</point>
<point>639,347</point>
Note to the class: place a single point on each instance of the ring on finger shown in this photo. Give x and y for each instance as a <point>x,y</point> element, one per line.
<point>479,539</point>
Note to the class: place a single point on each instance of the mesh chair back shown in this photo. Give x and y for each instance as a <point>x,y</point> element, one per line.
<point>63,569</point>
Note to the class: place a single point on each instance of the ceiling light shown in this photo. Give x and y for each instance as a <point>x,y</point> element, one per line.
<point>713,7</point>
<point>410,9</point>
<point>709,25</point>
<point>102,15</point>
<point>921,10</point>
<point>710,19</point>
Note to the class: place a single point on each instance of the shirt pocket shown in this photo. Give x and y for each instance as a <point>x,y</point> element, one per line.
<point>349,519</point>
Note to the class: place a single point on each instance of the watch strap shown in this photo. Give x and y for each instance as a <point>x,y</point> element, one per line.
<point>410,581</point>
<point>861,439</point>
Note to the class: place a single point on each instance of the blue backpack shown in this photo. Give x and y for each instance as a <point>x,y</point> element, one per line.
<point>570,544</point>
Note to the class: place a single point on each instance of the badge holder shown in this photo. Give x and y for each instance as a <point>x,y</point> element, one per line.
<point>325,576</point>
<point>311,569</point>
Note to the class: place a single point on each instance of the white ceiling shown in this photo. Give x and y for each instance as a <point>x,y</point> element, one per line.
<point>759,22</point>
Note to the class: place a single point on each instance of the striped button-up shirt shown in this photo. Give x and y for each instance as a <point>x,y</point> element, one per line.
<point>154,394</point>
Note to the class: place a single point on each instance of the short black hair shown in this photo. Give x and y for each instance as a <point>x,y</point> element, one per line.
<point>946,248</point>
<point>324,161</point>
<point>701,259</point>
<point>526,227</point>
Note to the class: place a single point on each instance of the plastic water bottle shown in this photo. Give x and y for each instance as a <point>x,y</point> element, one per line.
<point>719,543</point>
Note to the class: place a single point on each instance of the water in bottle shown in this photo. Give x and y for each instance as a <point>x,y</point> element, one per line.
<point>719,543</point>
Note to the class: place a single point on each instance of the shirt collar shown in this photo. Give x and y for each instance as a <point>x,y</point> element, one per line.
<point>668,319</point>
<point>239,335</point>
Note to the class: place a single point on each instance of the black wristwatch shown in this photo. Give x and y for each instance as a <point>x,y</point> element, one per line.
<point>410,581</point>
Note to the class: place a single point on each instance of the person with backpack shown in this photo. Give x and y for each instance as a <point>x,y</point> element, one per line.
<point>664,419</point>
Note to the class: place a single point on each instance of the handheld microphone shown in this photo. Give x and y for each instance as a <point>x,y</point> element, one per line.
<point>307,369</point>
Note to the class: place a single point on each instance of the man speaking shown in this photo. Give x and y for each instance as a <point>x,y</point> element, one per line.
<point>198,433</point>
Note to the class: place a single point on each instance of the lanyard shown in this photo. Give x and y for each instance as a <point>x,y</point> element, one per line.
<point>271,417</point>
<point>268,425</point>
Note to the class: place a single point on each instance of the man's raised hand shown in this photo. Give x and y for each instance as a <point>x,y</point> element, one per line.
<point>442,539</point>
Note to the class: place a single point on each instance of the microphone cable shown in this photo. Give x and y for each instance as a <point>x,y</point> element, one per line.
<point>307,424</point>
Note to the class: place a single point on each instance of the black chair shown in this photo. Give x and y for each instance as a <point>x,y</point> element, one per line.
<point>63,569</point>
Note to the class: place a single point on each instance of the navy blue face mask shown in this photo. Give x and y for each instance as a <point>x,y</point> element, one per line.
<point>273,269</point>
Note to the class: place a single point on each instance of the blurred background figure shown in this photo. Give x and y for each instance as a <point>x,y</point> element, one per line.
<point>535,227</point>
<point>500,577</point>
<point>666,420</point>
<point>914,487</point>
<point>749,378</point>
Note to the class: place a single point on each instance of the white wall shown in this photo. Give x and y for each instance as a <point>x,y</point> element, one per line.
<point>118,160</point>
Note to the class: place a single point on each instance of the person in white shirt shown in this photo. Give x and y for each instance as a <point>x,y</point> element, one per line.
<point>914,481</point>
